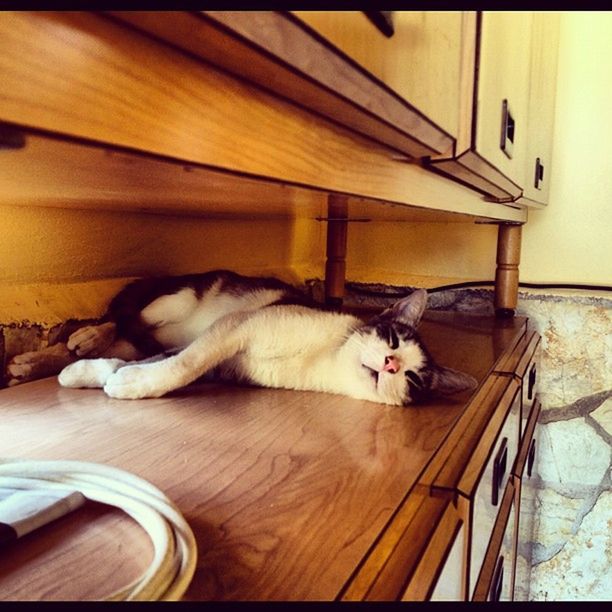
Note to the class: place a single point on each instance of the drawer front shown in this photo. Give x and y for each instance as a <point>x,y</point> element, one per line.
<point>530,388</point>
<point>500,588</point>
<point>526,503</point>
<point>490,488</point>
<point>449,586</point>
<point>496,578</point>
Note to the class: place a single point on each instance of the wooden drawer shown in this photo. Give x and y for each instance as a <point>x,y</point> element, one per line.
<point>525,498</point>
<point>490,488</point>
<point>523,363</point>
<point>478,464</point>
<point>496,578</point>
<point>439,573</point>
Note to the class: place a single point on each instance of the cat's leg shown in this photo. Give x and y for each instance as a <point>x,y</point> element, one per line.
<point>219,342</point>
<point>92,340</point>
<point>33,365</point>
<point>93,373</point>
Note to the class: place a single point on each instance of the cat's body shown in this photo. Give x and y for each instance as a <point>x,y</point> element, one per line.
<point>264,335</point>
<point>249,330</point>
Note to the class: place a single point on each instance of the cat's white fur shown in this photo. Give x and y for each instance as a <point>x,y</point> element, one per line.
<point>291,347</point>
<point>182,317</point>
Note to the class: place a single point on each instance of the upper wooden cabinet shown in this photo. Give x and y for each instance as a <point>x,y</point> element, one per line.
<point>511,121</point>
<point>487,79</point>
<point>420,60</point>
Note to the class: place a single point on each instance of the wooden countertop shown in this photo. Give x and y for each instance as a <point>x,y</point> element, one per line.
<point>285,491</point>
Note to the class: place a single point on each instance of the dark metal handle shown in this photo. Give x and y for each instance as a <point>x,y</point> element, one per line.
<point>532,381</point>
<point>508,128</point>
<point>531,457</point>
<point>499,470</point>
<point>383,20</point>
<point>498,581</point>
<point>539,173</point>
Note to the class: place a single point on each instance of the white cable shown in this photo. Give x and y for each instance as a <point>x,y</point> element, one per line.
<point>175,550</point>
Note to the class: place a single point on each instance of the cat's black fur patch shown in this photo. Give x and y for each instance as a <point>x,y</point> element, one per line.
<point>126,307</point>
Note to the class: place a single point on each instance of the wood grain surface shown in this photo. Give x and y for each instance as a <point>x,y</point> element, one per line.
<point>286,492</point>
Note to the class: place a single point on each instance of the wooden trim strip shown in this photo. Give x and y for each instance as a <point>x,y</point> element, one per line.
<point>472,168</point>
<point>521,458</point>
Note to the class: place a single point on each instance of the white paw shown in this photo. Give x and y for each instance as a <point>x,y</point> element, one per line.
<point>92,373</point>
<point>135,382</point>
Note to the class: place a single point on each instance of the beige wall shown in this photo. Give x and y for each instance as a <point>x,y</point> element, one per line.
<point>571,240</point>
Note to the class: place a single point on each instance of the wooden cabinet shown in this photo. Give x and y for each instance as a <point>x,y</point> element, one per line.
<point>296,495</point>
<point>512,116</point>
<point>420,61</point>
<point>541,108</point>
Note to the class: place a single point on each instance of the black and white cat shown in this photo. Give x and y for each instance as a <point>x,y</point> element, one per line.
<point>263,332</point>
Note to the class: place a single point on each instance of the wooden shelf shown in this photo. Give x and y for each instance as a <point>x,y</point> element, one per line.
<point>98,82</point>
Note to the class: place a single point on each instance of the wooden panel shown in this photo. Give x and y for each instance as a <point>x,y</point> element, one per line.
<point>484,511</point>
<point>541,104</point>
<point>525,476</point>
<point>439,574</point>
<point>272,50</point>
<point>501,546</point>
<point>472,169</point>
<point>56,172</point>
<point>87,77</point>
<point>421,61</point>
<point>503,73</point>
<point>285,491</point>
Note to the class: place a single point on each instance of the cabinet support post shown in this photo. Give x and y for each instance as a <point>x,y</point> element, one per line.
<point>507,271</point>
<point>335,265</point>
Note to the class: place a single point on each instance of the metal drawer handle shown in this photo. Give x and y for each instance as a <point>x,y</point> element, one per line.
<point>531,457</point>
<point>498,581</point>
<point>532,381</point>
<point>499,470</point>
<point>507,130</point>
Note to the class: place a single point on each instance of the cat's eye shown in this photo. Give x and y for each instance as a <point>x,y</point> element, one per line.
<point>414,378</point>
<point>392,339</point>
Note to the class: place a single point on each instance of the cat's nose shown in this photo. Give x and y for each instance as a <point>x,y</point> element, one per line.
<point>391,364</point>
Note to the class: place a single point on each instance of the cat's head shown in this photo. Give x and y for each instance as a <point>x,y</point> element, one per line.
<point>400,368</point>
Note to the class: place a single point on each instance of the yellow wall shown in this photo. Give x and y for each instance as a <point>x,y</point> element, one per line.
<point>49,257</point>
<point>571,240</point>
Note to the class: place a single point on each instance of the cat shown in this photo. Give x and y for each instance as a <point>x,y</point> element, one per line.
<point>151,315</point>
<point>266,333</point>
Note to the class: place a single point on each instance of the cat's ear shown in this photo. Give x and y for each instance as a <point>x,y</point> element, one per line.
<point>409,310</point>
<point>447,381</point>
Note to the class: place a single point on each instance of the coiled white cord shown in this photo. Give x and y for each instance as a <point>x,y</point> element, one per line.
<point>174,560</point>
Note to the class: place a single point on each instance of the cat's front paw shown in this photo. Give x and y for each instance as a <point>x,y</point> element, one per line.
<point>90,373</point>
<point>135,382</point>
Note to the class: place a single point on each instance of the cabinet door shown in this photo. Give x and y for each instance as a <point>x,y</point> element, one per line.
<point>420,60</point>
<point>541,108</point>
<point>503,92</point>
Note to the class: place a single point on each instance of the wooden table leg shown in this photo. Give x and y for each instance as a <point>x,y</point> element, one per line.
<point>335,265</point>
<point>507,272</point>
